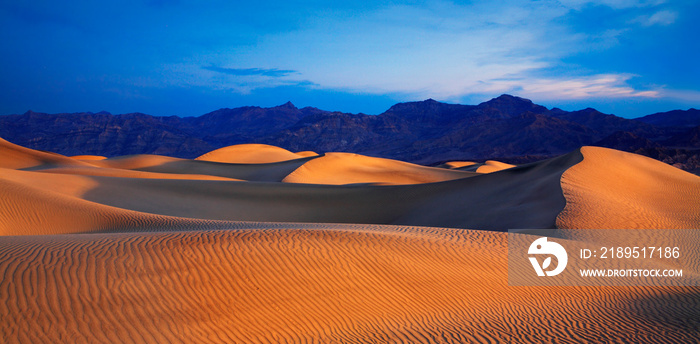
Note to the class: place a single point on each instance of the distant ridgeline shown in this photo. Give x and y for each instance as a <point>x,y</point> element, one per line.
<point>507,128</point>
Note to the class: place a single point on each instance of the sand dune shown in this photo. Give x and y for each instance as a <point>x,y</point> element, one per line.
<point>312,283</point>
<point>524,197</point>
<point>200,257</point>
<point>306,154</point>
<point>493,166</point>
<point>347,168</point>
<point>457,164</point>
<point>252,154</point>
<point>486,167</point>
<point>18,157</point>
<point>633,189</point>
<point>613,189</point>
<point>88,157</point>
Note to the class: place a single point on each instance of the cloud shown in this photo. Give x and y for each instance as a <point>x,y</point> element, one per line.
<point>601,86</point>
<point>692,96</point>
<point>273,72</point>
<point>239,80</point>
<point>663,18</point>
<point>436,50</point>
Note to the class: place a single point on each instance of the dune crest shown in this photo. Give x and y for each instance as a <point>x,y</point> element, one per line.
<point>614,189</point>
<point>252,154</point>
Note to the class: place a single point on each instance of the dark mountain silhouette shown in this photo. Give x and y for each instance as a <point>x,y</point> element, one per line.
<point>507,128</point>
<point>687,139</point>
<point>676,118</point>
<point>605,125</point>
<point>626,141</point>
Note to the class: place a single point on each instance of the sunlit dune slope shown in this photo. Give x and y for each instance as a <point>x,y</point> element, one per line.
<point>311,283</point>
<point>347,168</point>
<point>251,154</point>
<point>614,189</point>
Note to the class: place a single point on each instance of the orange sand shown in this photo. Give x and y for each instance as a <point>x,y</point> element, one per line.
<point>340,284</point>
<point>184,266</point>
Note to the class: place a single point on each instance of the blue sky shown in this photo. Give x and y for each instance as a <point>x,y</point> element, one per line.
<point>182,57</point>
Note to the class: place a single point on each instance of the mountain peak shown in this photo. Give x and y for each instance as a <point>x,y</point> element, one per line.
<point>508,97</point>
<point>428,103</point>
<point>287,105</point>
<point>512,105</point>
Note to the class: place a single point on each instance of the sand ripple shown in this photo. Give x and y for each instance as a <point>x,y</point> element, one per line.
<point>318,284</point>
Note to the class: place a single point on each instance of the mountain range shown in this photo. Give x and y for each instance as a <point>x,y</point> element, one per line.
<point>507,128</point>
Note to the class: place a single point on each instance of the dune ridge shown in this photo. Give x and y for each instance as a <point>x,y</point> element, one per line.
<point>614,189</point>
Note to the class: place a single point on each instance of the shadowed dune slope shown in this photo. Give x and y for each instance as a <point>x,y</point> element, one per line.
<point>251,154</point>
<point>347,168</point>
<point>269,172</point>
<point>457,164</point>
<point>119,173</point>
<point>311,283</point>
<point>524,197</point>
<point>614,189</point>
<point>35,203</point>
